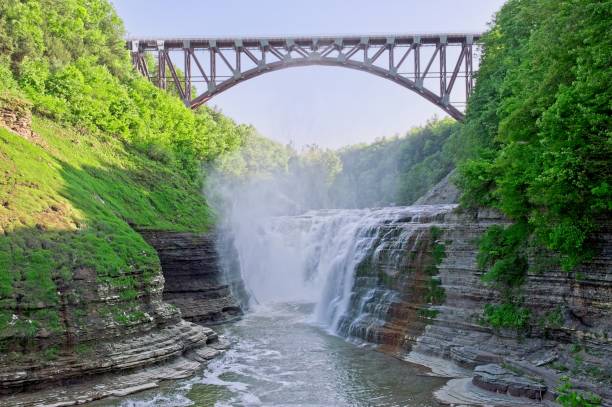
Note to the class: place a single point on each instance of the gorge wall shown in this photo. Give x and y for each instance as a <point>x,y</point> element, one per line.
<point>194,280</point>
<point>415,310</point>
<point>136,354</point>
<point>82,309</point>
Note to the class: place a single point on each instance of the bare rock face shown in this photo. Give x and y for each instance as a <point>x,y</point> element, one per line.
<point>16,115</point>
<point>444,192</point>
<point>569,329</point>
<point>495,378</point>
<point>194,280</point>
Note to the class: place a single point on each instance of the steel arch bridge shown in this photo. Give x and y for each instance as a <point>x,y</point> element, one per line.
<point>429,64</point>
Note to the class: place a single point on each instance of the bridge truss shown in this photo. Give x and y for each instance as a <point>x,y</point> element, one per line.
<point>200,68</point>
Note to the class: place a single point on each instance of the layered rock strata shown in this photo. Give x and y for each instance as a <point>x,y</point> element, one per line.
<point>119,345</point>
<point>132,366</point>
<point>194,280</point>
<point>568,333</point>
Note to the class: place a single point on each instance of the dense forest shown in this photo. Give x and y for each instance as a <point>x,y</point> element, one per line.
<point>536,140</point>
<point>390,171</point>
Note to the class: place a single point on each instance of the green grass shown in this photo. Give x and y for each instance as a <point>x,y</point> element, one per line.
<point>72,201</point>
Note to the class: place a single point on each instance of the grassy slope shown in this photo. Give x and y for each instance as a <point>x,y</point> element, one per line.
<point>68,201</point>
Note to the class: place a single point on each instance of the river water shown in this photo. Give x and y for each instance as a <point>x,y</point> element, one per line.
<point>279,357</point>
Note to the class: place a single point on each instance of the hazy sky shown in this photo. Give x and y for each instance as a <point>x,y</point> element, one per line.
<point>329,106</point>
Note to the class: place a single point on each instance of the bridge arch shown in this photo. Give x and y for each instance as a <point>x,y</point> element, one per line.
<point>421,63</point>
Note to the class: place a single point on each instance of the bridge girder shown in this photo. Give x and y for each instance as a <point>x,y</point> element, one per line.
<point>404,59</point>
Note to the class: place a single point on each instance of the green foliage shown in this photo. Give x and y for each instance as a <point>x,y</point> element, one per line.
<point>552,319</point>
<point>395,170</point>
<point>537,131</point>
<point>109,153</point>
<point>51,353</point>
<point>434,293</point>
<point>436,233</point>
<point>568,397</point>
<point>68,57</point>
<point>438,253</point>
<point>258,157</point>
<point>303,177</point>
<point>501,249</point>
<point>507,315</point>
<point>428,313</point>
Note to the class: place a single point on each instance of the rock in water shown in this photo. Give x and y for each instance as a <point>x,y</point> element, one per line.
<point>495,378</point>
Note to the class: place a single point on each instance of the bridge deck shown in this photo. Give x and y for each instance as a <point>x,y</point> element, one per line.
<point>322,40</point>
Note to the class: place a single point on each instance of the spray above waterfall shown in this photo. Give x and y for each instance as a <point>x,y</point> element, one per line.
<point>314,257</point>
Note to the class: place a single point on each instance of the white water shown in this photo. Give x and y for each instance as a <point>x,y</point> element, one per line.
<point>312,258</point>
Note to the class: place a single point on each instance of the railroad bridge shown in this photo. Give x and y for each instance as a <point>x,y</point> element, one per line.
<point>430,65</point>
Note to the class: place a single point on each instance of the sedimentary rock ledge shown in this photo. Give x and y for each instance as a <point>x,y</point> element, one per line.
<point>194,280</point>
<point>182,350</point>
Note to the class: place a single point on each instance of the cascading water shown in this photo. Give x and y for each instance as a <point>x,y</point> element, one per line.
<point>320,257</point>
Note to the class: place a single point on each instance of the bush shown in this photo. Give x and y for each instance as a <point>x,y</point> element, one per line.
<point>507,315</point>
<point>568,397</point>
<point>502,251</point>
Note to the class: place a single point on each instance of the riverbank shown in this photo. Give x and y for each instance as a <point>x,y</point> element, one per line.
<point>168,354</point>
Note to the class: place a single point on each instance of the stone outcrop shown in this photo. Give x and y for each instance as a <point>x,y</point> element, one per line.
<point>16,115</point>
<point>120,345</point>
<point>444,192</point>
<point>150,333</point>
<point>568,333</point>
<point>120,384</point>
<point>495,378</point>
<point>194,280</point>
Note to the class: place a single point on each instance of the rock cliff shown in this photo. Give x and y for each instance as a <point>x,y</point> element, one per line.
<point>194,281</point>
<point>569,328</point>
<point>433,316</point>
<point>135,354</point>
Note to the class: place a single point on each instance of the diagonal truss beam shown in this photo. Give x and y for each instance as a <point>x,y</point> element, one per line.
<point>429,65</point>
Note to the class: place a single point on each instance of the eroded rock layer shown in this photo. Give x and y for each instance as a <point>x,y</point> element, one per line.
<point>105,334</point>
<point>194,280</point>
<point>133,344</point>
<point>569,328</point>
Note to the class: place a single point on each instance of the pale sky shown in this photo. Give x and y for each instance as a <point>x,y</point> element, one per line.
<point>329,106</point>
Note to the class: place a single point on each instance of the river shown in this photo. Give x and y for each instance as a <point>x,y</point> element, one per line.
<point>279,357</point>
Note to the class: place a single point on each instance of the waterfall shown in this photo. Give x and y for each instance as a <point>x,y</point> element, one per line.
<point>318,256</point>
